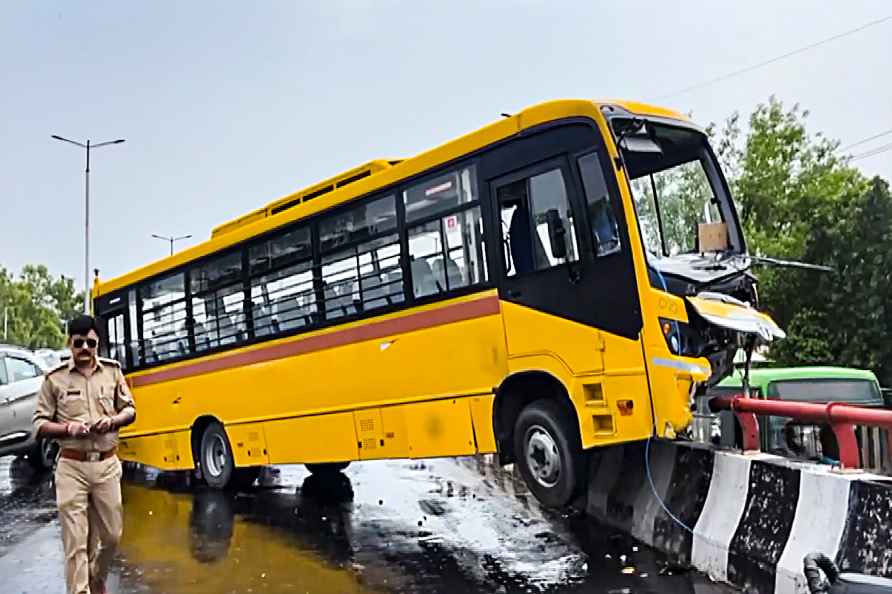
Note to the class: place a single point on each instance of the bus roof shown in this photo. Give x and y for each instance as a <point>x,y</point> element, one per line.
<point>376,174</point>
<point>764,376</point>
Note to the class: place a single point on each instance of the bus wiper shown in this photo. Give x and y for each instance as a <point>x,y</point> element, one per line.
<point>765,260</point>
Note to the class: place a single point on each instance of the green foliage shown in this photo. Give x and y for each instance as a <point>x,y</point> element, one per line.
<point>34,306</point>
<point>799,199</point>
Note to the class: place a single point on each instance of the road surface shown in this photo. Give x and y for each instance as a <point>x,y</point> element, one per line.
<point>450,526</point>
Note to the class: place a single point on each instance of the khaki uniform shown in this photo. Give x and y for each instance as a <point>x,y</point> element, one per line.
<point>88,493</point>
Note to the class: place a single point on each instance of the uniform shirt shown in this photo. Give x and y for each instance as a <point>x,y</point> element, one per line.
<point>67,395</point>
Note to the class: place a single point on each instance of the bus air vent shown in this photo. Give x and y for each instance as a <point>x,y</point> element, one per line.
<point>324,187</point>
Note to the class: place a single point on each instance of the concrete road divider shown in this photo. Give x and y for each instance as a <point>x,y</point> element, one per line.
<point>748,520</point>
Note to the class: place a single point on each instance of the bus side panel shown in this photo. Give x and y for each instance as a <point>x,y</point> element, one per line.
<point>481,417</point>
<point>440,428</point>
<point>319,438</point>
<point>167,451</point>
<point>600,370</point>
<point>248,444</point>
<point>444,360</point>
<point>452,359</point>
<point>532,332</point>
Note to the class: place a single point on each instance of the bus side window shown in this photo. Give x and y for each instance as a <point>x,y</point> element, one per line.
<point>445,229</point>
<point>524,206</point>
<point>605,232</point>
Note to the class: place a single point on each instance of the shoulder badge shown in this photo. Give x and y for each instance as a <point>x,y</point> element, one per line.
<point>112,362</point>
<point>59,367</point>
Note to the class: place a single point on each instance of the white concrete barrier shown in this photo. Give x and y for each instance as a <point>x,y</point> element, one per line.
<point>749,520</point>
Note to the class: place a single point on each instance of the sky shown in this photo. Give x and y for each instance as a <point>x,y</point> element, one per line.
<point>226,106</point>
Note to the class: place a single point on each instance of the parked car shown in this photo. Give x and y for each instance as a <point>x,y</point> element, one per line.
<point>21,375</point>
<point>51,358</point>
<point>801,384</point>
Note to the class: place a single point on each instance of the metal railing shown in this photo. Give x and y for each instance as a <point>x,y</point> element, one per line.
<point>863,435</point>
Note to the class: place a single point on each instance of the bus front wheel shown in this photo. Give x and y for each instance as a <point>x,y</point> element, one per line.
<point>215,457</point>
<point>548,453</point>
<point>327,468</point>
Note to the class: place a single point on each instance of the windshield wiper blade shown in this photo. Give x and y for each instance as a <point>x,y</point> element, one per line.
<point>787,263</point>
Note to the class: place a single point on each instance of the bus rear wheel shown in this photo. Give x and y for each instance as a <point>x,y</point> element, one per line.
<point>43,454</point>
<point>327,468</point>
<point>548,453</point>
<point>215,457</point>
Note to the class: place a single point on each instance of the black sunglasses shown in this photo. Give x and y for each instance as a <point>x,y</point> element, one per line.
<point>79,342</point>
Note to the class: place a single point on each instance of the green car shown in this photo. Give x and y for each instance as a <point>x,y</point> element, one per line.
<point>800,384</point>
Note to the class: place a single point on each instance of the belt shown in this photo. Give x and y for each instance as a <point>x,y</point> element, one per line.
<point>82,456</point>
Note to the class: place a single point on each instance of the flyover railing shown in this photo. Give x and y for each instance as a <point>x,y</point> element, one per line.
<point>863,435</point>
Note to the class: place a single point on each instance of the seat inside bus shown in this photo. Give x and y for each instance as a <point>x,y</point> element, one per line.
<point>527,252</point>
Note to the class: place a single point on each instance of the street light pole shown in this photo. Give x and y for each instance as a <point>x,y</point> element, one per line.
<point>87,148</point>
<point>171,239</point>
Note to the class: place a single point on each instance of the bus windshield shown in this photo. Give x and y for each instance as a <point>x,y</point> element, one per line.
<point>676,191</point>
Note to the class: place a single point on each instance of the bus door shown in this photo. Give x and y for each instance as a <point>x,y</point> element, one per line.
<point>115,328</point>
<point>567,284</point>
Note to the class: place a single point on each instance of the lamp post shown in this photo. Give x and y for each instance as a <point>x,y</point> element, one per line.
<point>87,147</point>
<point>171,239</point>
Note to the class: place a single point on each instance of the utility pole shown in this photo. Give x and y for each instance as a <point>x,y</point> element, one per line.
<point>87,146</point>
<point>171,239</point>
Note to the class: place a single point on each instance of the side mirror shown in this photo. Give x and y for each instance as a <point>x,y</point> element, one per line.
<point>557,234</point>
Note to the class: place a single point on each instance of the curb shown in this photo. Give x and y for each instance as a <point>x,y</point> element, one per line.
<point>754,517</point>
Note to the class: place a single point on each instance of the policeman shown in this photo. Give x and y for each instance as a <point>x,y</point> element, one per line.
<point>82,404</point>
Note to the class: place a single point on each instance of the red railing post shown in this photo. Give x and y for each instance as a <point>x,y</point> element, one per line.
<point>886,460</point>
<point>849,456</point>
<point>749,426</point>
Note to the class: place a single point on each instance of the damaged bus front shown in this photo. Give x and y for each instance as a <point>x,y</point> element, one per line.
<point>699,297</point>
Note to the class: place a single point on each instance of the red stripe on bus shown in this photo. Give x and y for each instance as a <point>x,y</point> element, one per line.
<point>457,312</point>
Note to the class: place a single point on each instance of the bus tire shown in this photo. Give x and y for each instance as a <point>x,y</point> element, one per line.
<point>43,454</point>
<point>548,452</point>
<point>327,468</point>
<point>215,457</point>
<point>244,478</point>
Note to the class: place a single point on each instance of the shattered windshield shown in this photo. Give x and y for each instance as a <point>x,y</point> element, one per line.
<point>678,200</point>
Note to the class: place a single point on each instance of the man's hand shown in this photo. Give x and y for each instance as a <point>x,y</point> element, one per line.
<point>78,429</point>
<point>104,425</point>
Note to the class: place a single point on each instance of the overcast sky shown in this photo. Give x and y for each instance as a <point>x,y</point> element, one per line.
<point>228,105</point>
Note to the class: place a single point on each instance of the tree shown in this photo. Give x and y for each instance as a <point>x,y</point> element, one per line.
<point>799,199</point>
<point>35,305</point>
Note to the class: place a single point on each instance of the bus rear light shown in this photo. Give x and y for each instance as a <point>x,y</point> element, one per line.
<point>626,407</point>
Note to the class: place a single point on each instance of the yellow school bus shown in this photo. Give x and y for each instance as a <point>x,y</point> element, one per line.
<point>567,277</point>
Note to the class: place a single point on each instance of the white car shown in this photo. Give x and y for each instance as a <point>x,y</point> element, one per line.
<point>21,375</point>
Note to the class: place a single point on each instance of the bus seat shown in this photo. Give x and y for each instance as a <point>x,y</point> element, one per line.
<point>374,292</point>
<point>346,297</point>
<point>527,250</point>
<point>520,240</point>
<point>395,286</point>
<point>452,272</point>
<point>423,281</point>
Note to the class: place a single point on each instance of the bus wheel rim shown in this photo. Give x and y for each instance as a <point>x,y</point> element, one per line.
<point>215,456</point>
<point>47,452</point>
<point>542,456</point>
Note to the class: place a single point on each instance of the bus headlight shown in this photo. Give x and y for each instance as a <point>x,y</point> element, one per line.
<point>675,333</point>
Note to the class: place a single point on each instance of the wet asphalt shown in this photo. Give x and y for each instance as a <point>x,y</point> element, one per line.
<point>438,526</point>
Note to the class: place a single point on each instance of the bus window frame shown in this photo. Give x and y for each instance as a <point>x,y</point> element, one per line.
<point>560,163</point>
<point>478,203</point>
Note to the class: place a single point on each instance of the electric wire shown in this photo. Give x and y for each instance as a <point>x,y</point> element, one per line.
<point>863,140</point>
<point>779,58</point>
<point>872,152</point>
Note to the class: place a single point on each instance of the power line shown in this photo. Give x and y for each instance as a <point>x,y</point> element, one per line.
<point>752,67</point>
<point>868,139</point>
<point>874,151</point>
